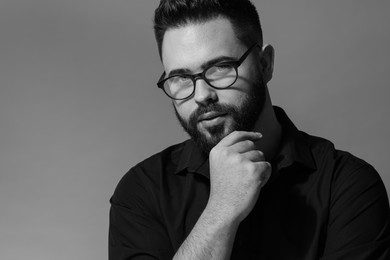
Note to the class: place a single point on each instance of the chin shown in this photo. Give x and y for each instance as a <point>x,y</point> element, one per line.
<point>215,134</point>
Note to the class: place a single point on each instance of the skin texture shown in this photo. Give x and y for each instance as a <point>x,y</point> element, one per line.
<point>238,166</point>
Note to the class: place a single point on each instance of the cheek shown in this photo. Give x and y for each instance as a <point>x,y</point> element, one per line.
<point>183,108</point>
<point>234,96</point>
<point>248,75</point>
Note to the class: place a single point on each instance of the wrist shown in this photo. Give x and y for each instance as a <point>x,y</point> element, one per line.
<point>220,218</point>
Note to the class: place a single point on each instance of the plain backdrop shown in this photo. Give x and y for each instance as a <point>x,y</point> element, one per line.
<point>79,105</point>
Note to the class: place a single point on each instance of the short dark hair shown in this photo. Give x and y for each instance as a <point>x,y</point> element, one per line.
<point>241,13</point>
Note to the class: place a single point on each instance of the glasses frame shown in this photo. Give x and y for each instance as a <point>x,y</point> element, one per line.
<point>201,75</point>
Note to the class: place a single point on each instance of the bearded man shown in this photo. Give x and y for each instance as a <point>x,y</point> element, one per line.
<point>247,184</point>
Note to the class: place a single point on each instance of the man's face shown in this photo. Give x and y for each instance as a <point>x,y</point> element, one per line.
<point>211,114</point>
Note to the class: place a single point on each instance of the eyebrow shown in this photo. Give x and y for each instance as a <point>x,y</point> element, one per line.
<point>204,65</point>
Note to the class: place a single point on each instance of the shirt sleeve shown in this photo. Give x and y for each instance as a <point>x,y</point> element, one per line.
<point>135,230</point>
<point>359,218</point>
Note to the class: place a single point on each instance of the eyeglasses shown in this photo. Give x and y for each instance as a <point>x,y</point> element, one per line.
<point>219,76</point>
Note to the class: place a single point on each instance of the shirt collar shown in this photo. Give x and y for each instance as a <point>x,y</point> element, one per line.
<point>294,148</point>
<point>193,160</point>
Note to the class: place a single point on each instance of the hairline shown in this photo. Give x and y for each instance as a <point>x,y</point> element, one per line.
<point>190,21</point>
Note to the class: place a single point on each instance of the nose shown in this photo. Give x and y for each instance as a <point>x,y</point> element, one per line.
<point>204,94</point>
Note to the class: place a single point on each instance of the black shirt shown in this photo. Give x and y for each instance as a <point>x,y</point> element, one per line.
<point>320,203</point>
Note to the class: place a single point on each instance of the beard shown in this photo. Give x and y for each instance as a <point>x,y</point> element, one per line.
<point>244,117</point>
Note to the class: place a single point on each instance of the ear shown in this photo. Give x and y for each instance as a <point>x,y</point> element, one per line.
<point>267,55</point>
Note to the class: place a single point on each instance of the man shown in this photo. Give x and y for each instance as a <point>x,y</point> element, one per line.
<point>248,184</point>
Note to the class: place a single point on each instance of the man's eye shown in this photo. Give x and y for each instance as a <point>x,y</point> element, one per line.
<point>222,67</point>
<point>219,70</point>
<point>181,81</point>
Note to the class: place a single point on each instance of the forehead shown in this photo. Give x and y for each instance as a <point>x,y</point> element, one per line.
<point>191,45</point>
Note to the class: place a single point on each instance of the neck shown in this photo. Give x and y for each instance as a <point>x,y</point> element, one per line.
<point>268,125</point>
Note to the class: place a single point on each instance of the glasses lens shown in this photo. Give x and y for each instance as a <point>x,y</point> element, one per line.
<point>221,75</point>
<point>179,87</point>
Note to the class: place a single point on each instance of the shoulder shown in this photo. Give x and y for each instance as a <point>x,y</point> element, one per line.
<point>169,157</point>
<point>357,207</point>
<point>325,154</point>
<point>144,177</point>
<point>344,172</point>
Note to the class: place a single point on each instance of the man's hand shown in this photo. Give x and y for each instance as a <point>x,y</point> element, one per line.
<point>237,172</point>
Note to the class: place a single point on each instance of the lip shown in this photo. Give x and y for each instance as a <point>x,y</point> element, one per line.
<point>210,116</point>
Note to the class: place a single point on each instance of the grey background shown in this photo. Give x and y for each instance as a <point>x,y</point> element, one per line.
<point>79,105</point>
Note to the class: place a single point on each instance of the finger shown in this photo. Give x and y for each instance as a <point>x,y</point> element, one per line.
<point>242,146</point>
<point>265,170</point>
<point>237,136</point>
<point>254,156</point>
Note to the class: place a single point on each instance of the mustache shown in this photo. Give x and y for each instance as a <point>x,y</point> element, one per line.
<point>213,107</point>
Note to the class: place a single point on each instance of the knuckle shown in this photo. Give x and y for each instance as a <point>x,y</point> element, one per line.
<point>237,158</point>
<point>250,167</point>
<point>257,156</point>
<point>267,167</point>
<point>264,167</point>
<point>248,143</point>
<point>260,154</point>
<point>268,164</point>
<point>265,172</point>
<point>265,164</point>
